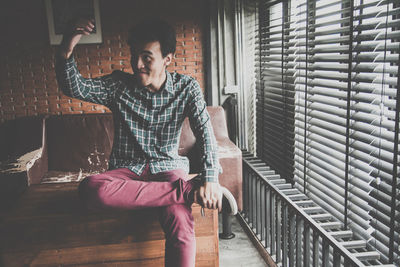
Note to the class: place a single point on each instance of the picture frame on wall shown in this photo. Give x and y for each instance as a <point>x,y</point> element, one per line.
<point>61,12</point>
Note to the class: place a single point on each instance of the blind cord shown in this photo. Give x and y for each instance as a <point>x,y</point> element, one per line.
<point>381,107</point>
<point>348,115</point>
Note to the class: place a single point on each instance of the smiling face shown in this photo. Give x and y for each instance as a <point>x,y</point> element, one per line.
<point>149,65</point>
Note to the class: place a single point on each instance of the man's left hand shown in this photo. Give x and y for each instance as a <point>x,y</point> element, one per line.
<point>210,195</point>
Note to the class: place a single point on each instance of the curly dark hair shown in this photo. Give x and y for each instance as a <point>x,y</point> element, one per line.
<point>154,30</point>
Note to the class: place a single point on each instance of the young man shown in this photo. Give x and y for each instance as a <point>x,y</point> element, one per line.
<point>148,108</point>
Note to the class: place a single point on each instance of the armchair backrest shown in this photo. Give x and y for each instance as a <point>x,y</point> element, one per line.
<point>84,142</point>
<point>79,142</point>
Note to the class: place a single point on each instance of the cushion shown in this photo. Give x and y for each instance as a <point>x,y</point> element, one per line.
<point>79,142</point>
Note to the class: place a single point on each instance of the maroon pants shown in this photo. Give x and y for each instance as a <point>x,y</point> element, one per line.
<point>123,189</point>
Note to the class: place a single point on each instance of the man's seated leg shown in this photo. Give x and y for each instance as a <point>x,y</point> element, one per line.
<point>180,245</point>
<point>178,225</point>
<point>121,189</point>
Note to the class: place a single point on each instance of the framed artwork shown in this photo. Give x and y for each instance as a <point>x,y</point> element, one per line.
<point>60,12</point>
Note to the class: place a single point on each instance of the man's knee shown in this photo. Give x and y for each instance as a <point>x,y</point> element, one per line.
<point>91,191</point>
<point>88,185</point>
<point>177,222</point>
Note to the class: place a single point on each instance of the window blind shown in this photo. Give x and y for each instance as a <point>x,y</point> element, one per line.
<point>250,34</point>
<point>274,90</point>
<point>328,105</point>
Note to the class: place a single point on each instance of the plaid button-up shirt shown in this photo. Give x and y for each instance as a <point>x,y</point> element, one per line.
<point>147,125</point>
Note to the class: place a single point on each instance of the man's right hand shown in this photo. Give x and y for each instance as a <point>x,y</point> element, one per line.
<point>74,34</point>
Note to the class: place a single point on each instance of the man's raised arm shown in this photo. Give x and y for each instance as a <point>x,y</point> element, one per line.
<point>72,36</point>
<point>98,90</point>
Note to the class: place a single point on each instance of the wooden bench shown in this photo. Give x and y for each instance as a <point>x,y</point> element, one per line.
<point>48,226</point>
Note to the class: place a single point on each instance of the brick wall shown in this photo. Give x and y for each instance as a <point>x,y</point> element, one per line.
<point>27,80</point>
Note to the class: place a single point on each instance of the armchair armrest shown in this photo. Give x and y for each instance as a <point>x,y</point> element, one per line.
<point>230,159</point>
<point>37,166</point>
<point>32,165</point>
<point>17,174</point>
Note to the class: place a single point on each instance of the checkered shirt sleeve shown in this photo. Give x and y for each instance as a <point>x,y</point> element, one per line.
<point>201,126</point>
<point>98,90</point>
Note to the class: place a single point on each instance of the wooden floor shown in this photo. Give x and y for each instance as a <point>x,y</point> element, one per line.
<point>239,251</point>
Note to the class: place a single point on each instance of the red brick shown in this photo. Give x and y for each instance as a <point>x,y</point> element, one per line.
<point>118,57</point>
<point>177,69</point>
<point>8,108</point>
<point>191,63</point>
<point>91,76</point>
<point>54,106</point>
<point>85,73</point>
<point>20,109</point>
<point>41,103</point>
<point>97,111</point>
<point>75,105</point>
<point>179,54</point>
<point>6,117</point>
<point>29,113</point>
<point>178,59</point>
<point>43,110</point>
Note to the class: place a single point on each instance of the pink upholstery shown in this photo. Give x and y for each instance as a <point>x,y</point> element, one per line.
<point>229,154</point>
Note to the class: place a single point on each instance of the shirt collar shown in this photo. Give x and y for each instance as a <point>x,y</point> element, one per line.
<point>169,85</point>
